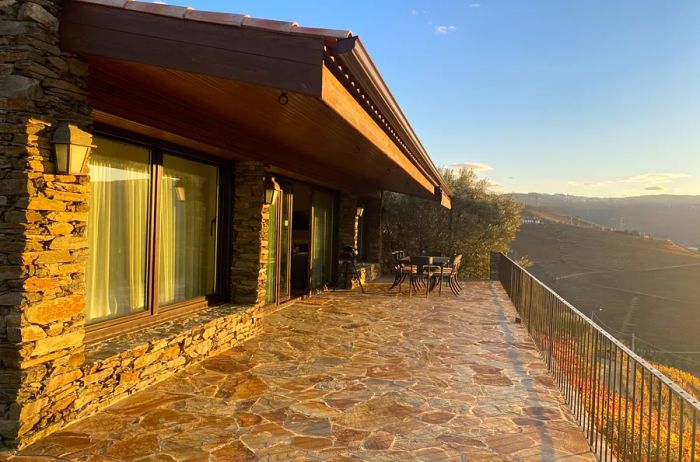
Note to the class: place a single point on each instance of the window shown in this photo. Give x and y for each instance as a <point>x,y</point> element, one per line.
<point>134,191</point>
<point>187,247</point>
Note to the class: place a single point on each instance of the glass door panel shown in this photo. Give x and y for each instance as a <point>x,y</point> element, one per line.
<point>322,204</point>
<point>187,245</point>
<point>285,242</point>
<point>272,251</point>
<point>118,230</point>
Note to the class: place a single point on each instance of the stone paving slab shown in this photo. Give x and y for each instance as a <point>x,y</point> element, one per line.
<point>347,377</point>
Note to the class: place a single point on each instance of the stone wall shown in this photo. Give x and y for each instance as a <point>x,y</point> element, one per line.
<point>42,216</point>
<point>117,368</point>
<point>368,271</point>
<point>250,222</point>
<point>373,228</point>
<point>347,220</point>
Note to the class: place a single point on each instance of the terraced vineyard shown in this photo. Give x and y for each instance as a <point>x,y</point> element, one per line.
<point>641,290</point>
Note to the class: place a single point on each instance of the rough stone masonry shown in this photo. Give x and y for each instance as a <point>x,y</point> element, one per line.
<point>45,378</point>
<point>42,218</point>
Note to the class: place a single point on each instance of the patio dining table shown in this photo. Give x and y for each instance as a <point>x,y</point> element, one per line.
<point>429,266</point>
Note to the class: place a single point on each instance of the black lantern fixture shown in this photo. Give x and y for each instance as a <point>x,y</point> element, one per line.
<point>271,190</point>
<point>72,147</point>
<point>360,210</point>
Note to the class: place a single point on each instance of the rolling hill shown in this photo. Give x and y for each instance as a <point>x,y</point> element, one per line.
<point>664,216</point>
<point>630,285</point>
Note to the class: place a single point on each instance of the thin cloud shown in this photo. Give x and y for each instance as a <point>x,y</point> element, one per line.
<point>477,167</point>
<point>655,188</point>
<point>654,178</point>
<point>444,30</point>
<point>494,187</point>
<point>475,5</point>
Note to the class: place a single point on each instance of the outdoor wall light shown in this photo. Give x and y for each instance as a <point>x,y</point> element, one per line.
<point>360,210</point>
<point>72,147</point>
<point>271,190</point>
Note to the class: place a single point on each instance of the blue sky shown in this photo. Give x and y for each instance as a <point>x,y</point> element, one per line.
<point>586,97</point>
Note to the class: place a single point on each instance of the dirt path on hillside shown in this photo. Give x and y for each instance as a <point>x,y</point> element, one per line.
<point>646,270</point>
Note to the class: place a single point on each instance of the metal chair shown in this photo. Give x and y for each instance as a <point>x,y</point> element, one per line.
<point>397,255</point>
<point>449,274</point>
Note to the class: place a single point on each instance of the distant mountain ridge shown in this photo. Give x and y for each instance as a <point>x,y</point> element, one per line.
<point>664,216</point>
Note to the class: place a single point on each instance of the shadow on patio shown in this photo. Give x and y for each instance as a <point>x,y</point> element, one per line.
<point>347,376</point>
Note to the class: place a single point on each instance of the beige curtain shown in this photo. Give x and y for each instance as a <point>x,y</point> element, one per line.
<point>187,230</point>
<point>117,230</point>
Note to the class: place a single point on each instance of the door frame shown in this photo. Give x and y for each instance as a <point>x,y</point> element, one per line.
<point>287,189</point>
<point>287,185</point>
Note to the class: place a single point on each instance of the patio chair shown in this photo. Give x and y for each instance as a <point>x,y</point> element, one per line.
<point>397,255</point>
<point>449,275</point>
<point>419,275</point>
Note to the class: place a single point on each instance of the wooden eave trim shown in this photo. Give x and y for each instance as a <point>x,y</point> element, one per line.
<point>337,98</point>
<point>360,65</point>
<point>283,61</point>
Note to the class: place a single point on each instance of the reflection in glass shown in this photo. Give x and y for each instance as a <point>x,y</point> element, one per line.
<point>271,281</point>
<point>117,230</point>
<point>285,243</point>
<point>322,245</point>
<point>187,246</point>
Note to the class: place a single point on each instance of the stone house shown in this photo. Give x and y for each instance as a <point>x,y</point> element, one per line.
<point>167,174</point>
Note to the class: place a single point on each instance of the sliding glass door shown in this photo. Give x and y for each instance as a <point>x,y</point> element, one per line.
<point>187,246</point>
<point>118,228</point>
<point>322,239</point>
<point>152,231</point>
<point>277,286</point>
<point>273,233</point>
<point>286,201</point>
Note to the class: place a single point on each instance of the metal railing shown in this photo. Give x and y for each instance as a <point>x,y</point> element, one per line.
<point>628,410</point>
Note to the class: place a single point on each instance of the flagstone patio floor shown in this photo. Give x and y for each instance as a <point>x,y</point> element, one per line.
<point>349,376</point>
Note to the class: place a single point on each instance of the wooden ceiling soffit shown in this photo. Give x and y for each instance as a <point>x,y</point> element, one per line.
<point>335,96</point>
<point>265,58</point>
<point>130,126</point>
<point>162,118</point>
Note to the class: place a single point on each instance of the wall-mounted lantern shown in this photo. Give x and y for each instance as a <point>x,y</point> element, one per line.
<point>360,210</point>
<point>271,190</point>
<point>72,148</point>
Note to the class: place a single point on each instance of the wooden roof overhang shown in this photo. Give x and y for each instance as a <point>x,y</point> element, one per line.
<point>245,89</point>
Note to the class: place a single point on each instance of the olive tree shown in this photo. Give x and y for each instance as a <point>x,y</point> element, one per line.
<point>479,222</point>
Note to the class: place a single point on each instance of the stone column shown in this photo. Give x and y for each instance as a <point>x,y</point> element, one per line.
<point>250,227</point>
<point>373,228</point>
<point>43,246</point>
<point>347,233</point>
<point>347,220</point>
